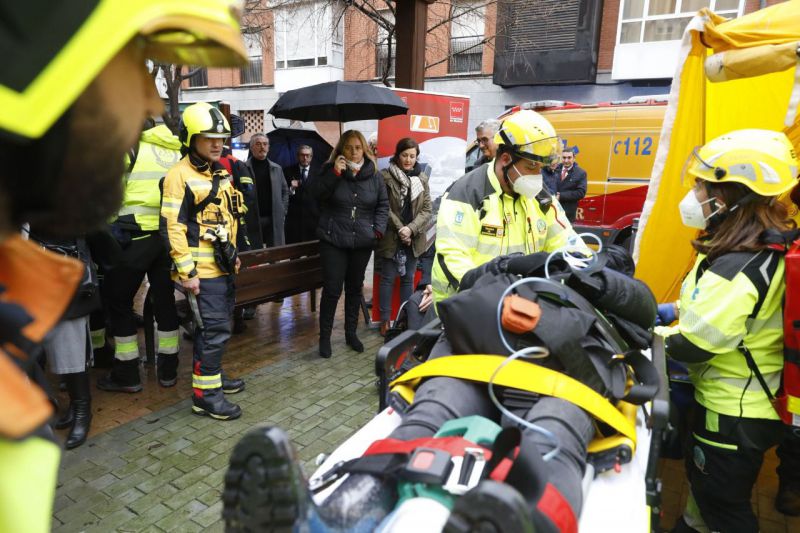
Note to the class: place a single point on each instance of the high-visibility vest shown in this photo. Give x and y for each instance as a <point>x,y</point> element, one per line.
<point>718,314</point>
<point>159,150</point>
<point>477,222</point>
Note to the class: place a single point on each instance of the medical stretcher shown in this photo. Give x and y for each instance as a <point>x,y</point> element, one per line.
<point>621,487</point>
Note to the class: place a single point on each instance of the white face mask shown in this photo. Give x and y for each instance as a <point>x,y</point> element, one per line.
<point>527,185</point>
<point>691,210</point>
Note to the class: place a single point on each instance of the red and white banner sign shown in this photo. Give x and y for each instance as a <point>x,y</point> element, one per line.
<point>438,122</point>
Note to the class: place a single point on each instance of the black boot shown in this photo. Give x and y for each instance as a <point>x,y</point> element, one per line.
<point>265,490</point>
<point>232,385</point>
<point>124,377</point>
<point>81,405</point>
<point>327,310</point>
<point>167,370</point>
<point>213,403</point>
<point>65,420</point>
<point>352,306</point>
<point>490,506</point>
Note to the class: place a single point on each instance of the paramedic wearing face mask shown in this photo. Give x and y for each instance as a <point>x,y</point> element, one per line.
<point>501,208</point>
<point>730,323</point>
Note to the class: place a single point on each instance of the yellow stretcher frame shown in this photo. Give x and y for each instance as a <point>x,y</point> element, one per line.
<point>759,87</point>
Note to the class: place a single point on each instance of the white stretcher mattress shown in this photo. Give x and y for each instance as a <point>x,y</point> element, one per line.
<point>613,501</point>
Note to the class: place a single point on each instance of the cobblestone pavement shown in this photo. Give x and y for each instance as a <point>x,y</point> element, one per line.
<point>164,471</point>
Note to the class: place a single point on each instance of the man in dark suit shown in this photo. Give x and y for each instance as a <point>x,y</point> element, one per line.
<point>570,183</point>
<point>301,222</point>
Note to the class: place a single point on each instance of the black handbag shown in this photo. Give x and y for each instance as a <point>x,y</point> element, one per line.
<point>79,250</point>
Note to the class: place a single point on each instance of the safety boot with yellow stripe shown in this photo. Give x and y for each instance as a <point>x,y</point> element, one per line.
<point>212,402</point>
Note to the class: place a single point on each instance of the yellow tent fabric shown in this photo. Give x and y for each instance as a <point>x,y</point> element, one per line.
<point>698,111</point>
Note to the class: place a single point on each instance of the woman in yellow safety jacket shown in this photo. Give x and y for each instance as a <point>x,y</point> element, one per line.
<point>730,322</point>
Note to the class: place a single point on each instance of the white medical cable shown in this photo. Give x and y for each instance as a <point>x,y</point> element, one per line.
<point>536,352</point>
<point>571,251</point>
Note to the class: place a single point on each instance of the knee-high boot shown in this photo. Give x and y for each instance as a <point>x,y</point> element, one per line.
<point>352,306</point>
<point>81,406</point>
<point>327,310</point>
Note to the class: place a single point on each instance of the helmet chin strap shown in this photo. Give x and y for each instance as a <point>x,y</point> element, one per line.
<point>720,215</point>
<point>508,181</point>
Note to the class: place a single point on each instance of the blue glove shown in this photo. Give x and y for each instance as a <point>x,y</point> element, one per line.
<point>666,314</point>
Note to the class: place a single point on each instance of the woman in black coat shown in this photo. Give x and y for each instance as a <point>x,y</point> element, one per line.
<point>354,209</point>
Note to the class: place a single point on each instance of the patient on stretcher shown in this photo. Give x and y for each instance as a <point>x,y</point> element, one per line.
<point>490,442</point>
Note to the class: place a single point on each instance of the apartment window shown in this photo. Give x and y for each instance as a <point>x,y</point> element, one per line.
<point>199,78</point>
<point>644,21</point>
<point>382,50</point>
<point>302,32</point>
<point>466,37</point>
<point>250,74</point>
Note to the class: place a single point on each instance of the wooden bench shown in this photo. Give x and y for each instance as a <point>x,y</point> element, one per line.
<point>266,275</point>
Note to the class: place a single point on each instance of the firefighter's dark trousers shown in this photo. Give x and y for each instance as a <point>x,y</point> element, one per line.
<point>146,254</point>
<point>215,303</point>
<point>438,400</point>
<point>723,459</point>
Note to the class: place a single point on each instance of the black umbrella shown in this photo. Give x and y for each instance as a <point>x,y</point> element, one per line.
<point>339,101</point>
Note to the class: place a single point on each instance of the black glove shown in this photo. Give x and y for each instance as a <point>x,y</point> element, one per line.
<point>527,265</point>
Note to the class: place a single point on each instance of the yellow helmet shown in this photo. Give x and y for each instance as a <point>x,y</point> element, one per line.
<point>57,48</point>
<point>203,119</point>
<point>529,135</point>
<point>762,160</point>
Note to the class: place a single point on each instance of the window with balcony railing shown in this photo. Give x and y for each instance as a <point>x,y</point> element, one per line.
<point>250,74</point>
<point>382,58</point>
<point>466,37</point>
<point>466,55</point>
<point>199,78</point>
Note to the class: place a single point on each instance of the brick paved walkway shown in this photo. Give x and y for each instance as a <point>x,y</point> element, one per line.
<point>164,471</point>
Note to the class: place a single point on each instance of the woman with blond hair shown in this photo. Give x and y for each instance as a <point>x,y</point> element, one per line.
<point>354,209</point>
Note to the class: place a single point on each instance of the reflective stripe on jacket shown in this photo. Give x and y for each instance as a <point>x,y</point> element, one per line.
<point>477,221</point>
<point>185,187</point>
<point>716,305</point>
<point>159,150</point>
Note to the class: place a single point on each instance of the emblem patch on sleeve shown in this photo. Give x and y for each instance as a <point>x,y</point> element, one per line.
<point>459,217</point>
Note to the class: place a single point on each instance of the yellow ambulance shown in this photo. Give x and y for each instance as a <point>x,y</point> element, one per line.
<point>615,143</point>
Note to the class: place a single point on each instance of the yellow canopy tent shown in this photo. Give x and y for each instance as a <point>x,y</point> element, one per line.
<point>754,62</point>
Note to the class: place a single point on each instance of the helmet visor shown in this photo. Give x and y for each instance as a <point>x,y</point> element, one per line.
<point>545,151</point>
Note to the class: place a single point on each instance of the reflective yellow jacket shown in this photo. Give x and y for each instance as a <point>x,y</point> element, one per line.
<point>717,306</point>
<point>159,150</point>
<point>185,187</point>
<point>477,221</point>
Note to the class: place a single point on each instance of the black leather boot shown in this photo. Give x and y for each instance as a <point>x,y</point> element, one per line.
<point>81,405</point>
<point>214,404</point>
<point>65,420</point>
<point>265,490</point>
<point>352,306</point>
<point>327,310</point>
<point>124,377</point>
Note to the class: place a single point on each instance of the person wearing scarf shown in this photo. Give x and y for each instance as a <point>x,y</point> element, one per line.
<point>409,214</point>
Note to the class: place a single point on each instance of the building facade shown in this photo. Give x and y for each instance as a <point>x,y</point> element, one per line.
<point>498,52</point>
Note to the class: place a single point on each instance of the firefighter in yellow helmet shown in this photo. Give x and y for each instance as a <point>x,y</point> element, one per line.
<point>200,212</point>
<point>500,208</point>
<point>74,93</point>
<point>730,322</point>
